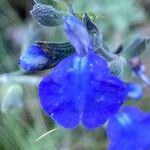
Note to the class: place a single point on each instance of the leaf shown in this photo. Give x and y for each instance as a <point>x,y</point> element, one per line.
<point>135,48</point>
<point>47,15</point>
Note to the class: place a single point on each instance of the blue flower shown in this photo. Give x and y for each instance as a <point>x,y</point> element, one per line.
<point>139,70</point>
<point>81,89</point>
<point>129,130</point>
<point>135,91</point>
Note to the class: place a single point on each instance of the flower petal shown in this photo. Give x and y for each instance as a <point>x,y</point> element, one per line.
<point>122,120</point>
<point>77,35</point>
<point>91,65</point>
<point>34,58</point>
<point>135,91</point>
<point>62,93</point>
<point>57,102</point>
<point>103,101</point>
<point>133,112</point>
<point>122,129</point>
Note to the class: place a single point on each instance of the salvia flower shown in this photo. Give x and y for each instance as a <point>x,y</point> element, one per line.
<point>129,130</point>
<point>81,89</point>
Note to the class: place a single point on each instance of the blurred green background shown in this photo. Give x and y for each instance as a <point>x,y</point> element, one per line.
<point>21,119</point>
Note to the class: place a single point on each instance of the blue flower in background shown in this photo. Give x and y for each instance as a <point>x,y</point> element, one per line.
<point>81,87</point>
<point>135,91</point>
<point>139,70</point>
<point>129,130</point>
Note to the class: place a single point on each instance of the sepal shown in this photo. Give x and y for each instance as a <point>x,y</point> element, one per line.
<point>117,66</point>
<point>43,55</point>
<point>95,35</point>
<point>47,15</point>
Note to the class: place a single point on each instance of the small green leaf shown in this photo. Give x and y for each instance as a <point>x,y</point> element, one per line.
<point>117,66</point>
<point>47,15</point>
<point>135,48</point>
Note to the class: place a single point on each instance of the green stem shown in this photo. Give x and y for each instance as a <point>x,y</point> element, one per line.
<point>106,54</point>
